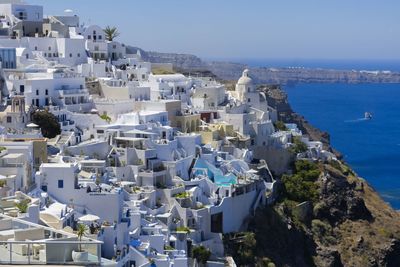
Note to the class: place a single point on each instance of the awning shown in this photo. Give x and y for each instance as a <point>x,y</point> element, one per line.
<point>89,218</point>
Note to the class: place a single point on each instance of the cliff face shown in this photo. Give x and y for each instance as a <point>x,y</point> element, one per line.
<point>232,71</point>
<point>180,61</point>
<point>345,224</point>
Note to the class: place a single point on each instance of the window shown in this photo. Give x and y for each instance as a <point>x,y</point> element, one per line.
<point>49,48</point>
<point>35,48</point>
<point>70,54</point>
<point>79,54</point>
<point>47,92</point>
<point>114,46</point>
<point>100,37</point>
<point>37,92</point>
<point>9,119</point>
<point>22,88</point>
<point>94,32</point>
<point>27,56</point>
<point>248,100</point>
<point>37,30</point>
<point>45,54</point>
<point>89,37</point>
<point>252,142</point>
<point>33,102</point>
<point>60,183</point>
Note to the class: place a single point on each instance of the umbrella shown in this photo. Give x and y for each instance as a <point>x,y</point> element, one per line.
<point>32,125</point>
<point>127,183</point>
<point>89,218</point>
<point>113,180</point>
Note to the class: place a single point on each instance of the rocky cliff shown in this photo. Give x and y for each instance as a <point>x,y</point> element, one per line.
<point>180,61</point>
<point>232,71</point>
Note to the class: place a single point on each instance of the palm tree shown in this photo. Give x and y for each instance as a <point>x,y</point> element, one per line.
<point>81,231</point>
<point>111,33</point>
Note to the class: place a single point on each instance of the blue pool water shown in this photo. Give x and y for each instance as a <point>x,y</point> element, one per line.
<point>371,147</point>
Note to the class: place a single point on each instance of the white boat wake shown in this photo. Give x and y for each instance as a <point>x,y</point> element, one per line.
<point>357,120</point>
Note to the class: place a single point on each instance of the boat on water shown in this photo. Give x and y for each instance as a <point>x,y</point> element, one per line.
<point>367,115</point>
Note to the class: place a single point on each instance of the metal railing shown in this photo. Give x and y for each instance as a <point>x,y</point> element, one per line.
<point>49,252</point>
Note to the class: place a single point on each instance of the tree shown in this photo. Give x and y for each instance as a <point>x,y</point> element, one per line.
<point>47,122</point>
<point>111,33</point>
<point>201,254</point>
<point>81,231</point>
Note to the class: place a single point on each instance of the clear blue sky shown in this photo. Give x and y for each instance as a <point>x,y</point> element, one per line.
<point>308,29</point>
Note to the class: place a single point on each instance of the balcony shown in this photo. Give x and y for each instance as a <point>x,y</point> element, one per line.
<point>29,243</point>
<point>74,91</point>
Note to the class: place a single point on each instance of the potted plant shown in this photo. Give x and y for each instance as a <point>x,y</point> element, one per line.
<point>22,206</point>
<point>80,256</point>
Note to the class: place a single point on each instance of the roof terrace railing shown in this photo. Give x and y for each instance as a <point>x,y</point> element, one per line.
<point>49,252</point>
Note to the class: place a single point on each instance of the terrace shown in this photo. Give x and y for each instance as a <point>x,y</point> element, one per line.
<point>22,242</point>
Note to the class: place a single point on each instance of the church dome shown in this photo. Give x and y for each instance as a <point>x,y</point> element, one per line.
<point>245,79</point>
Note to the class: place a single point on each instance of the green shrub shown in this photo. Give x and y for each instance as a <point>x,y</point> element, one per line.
<point>280,125</point>
<point>22,206</point>
<point>301,185</point>
<point>298,145</point>
<point>105,117</point>
<point>183,229</point>
<point>183,194</point>
<point>201,254</point>
<point>323,231</point>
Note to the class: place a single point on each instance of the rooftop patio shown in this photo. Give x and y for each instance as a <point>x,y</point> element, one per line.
<point>22,242</point>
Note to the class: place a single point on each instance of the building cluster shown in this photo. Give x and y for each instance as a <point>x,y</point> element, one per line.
<point>154,165</point>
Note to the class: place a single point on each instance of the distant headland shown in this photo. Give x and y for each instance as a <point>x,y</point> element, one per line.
<point>266,75</point>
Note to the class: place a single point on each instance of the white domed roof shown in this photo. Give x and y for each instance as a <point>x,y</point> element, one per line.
<point>245,79</point>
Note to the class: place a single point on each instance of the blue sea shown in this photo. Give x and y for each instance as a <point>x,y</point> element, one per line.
<point>371,147</point>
